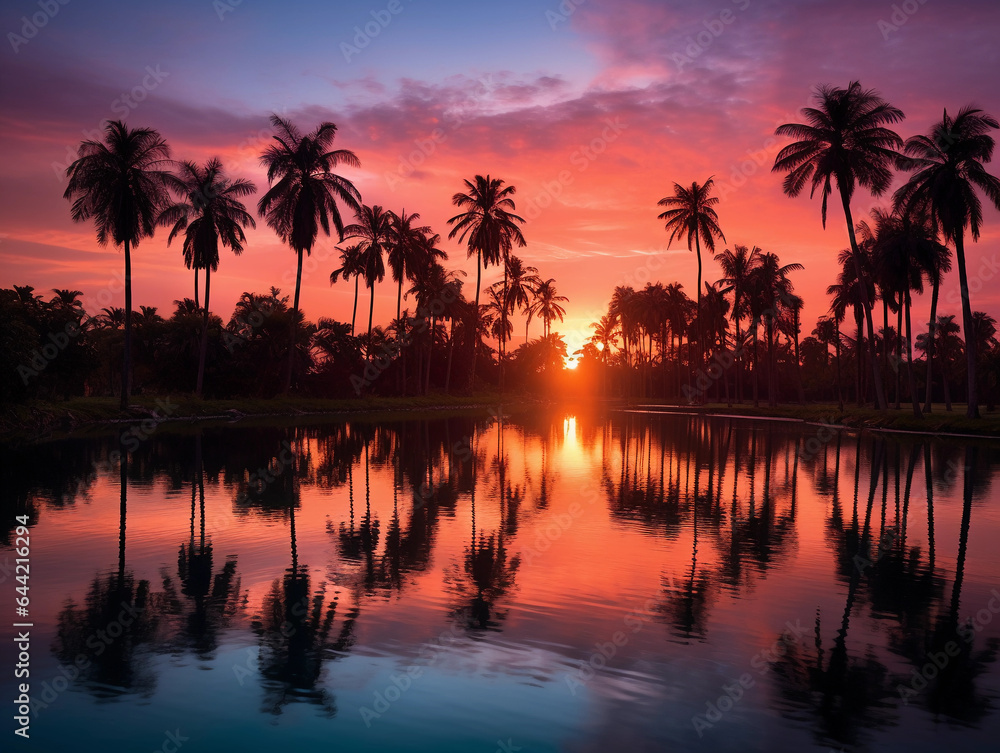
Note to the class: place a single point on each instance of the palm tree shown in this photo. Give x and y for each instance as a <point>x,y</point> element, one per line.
<point>947,344</point>
<point>209,211</point>
<point>523,281</point>
<point>772,292</point>
<point>844,139</point>
<point>948,165</point>
<point>374,228</point>
<point>407,248</point>
<point>547,304</point>
<point>903,243</point>
<point>350,266</point>
<point>303,197</point>
<point>492,229</point>
<point>121,184</point>
<point>691,215</point>
<point>828,332</point>
<point>935,263</point>
<point>737,267</point>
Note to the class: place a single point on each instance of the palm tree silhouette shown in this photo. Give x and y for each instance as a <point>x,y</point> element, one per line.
<point>121,184</point>
<point>547,305</point>
<point>844,139</point>
<point>350,266</point>
<point>935,262</point>
<point>522,283</point>
<point>771,291</point>
<point>491,227</point>
<point>374,228</point>
<point>302,197</point>
<point>737,267</point>
<point>948,165</point>
<point>209,211</point>
<point>691,215</point>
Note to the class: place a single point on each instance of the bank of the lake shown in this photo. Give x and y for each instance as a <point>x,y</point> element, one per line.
<point>31,421</point>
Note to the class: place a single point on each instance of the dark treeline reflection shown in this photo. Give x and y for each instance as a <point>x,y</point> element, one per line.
<point>730,500</point>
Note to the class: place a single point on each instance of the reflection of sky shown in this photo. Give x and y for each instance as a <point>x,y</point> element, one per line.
<point>552,91</point>
<point>587,571</point>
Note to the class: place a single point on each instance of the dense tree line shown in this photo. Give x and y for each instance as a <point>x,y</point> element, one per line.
<point>658,342</point>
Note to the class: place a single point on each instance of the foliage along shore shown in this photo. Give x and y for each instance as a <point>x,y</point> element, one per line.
<point>39,420</point>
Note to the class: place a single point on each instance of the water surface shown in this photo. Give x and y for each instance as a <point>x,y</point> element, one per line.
<point>563,582</point>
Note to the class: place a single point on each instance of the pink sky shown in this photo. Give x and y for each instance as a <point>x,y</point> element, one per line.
<point>592,120</point>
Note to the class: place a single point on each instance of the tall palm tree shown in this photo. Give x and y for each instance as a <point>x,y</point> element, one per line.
<point>948,168</point>
<point>121,184</point>
<point>209,211</point>
<point>691,215</point>
<point>491,227</point>
<point>407,250</point>
<point>522,281</point>
<point>737,267</point>
<point>935,263</point>
<point>303,197</point>
<point>350,266</point>
<point>374,228</point>
<point>772,291</point>
<point>902,241</point>
<point>547,304</point>
<point>844,139</point>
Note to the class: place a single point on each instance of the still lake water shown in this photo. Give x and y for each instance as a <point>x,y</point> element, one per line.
<point>576,582</point>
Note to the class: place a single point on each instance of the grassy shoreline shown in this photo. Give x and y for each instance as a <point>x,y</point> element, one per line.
<point>38,420</point>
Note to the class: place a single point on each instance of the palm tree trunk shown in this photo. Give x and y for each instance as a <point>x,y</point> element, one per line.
<point>944,382</point>
<point>899,348</point>
<point>430,352</point>
<point>840,387</point>
<point>122,510</point>
<point>909,361</point>
<point>293,322</point>
<point>127,348</point>
<point>930,344</point>
<point>503,324</point>
<point>196,288</point>
<point>865,302</point>
<point>451,349</point>
<point>371,313</point>
<point>697,312</point>
<point>475,320</point>
<point>354,313</point>
<point>756,370</point>
<point>203,348</point>
<point>972,411</point>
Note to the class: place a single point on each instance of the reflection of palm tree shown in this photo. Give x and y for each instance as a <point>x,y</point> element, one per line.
<point>845,694</point>
<point>214,597</point>
<point>119,664</point>
<point>294,629</point>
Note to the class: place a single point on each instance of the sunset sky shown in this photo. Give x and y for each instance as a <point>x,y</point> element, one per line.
<point>592,110</point>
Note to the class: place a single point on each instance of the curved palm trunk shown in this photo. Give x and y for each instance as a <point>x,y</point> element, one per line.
<point>911,380</point>
<point>972,411</point>
<point>292,324</point>
<point>865,302</point>
<point>196,288</point>
<point>127,348</point>
<point>931,337</point>
<point>203,348</point>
